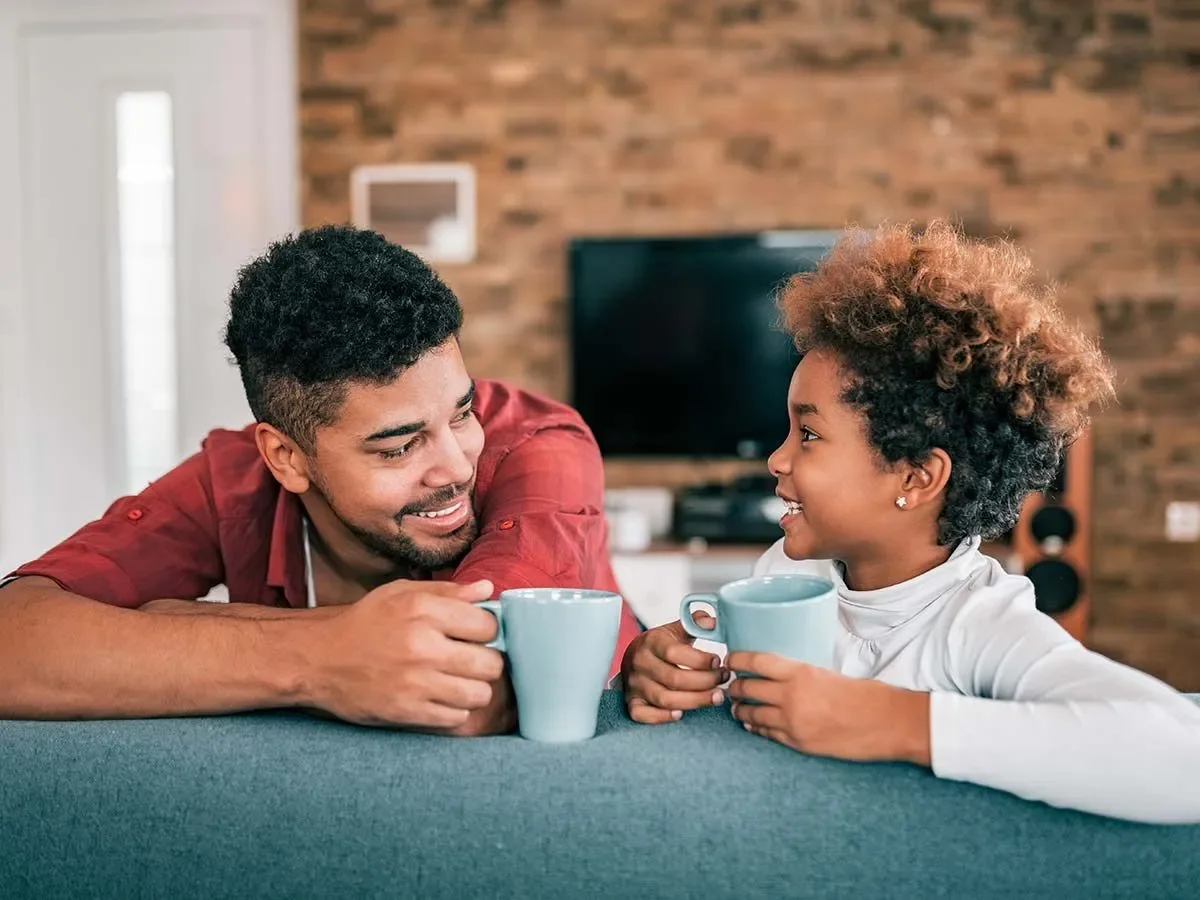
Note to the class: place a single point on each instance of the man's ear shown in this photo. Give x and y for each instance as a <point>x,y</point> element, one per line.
<point>283,457</point>
<point>924,483</point>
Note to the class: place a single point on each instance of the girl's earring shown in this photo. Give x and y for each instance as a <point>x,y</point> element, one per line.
<point>902,502</point>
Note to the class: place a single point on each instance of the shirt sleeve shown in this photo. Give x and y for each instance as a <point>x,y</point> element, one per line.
<point>1042,717</point>
<point>162,543</point>
<point>542,523</point>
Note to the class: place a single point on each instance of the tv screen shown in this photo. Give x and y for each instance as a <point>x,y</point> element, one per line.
<point>676,348</point>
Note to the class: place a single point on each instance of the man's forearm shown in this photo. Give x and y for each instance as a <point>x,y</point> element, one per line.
<point>65,657</point>
<point>498,717</point>
<point>231,610</point>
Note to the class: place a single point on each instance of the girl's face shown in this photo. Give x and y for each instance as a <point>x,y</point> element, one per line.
<point>841,494</point>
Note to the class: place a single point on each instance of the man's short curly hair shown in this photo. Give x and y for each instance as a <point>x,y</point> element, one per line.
<point>948,342</point>
<point>327,307</point>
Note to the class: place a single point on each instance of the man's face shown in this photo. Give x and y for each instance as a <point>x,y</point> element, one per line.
<point>398,465</point>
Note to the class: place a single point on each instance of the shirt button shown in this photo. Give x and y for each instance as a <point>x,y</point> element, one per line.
<point>506,524</point>
<point>134,514</point>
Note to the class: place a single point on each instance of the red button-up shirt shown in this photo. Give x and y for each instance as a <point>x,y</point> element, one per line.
<point>221,518</point>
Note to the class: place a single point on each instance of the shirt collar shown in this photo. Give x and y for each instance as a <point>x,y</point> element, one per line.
<point>285,561</point>
<point>871,614</point>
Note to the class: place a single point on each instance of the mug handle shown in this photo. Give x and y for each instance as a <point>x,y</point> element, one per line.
<point>716,633</point>
<point>493,606</point>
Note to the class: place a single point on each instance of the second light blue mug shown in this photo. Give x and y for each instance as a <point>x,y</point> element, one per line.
<point>792,615</point>
<point>560,644</point>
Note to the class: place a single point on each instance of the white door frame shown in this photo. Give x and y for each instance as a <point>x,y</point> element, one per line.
<point>276,21</point>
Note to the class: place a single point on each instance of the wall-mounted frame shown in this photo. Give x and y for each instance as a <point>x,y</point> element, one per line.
<point>428,208</point>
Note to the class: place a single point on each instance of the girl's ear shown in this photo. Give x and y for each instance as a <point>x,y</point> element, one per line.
<point>925,483</point>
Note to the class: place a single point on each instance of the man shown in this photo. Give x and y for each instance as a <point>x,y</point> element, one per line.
<point>379,493</point>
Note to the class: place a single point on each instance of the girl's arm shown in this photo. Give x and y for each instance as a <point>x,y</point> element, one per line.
<point>1046,719</point>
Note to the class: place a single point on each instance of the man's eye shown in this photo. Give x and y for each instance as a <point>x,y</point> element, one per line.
<point>465,414</point>
<point>395,454</point>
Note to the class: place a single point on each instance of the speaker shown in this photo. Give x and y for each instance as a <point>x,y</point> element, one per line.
<point>1052,540</point>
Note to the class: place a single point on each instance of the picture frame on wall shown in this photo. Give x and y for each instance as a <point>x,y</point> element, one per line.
<point>428,208</point>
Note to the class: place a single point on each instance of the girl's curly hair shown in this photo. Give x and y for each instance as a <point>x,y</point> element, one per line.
<point>948,342</point>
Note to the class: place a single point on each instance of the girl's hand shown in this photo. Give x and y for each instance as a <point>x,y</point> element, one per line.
<point>665,675</point>
<point>817,711</point>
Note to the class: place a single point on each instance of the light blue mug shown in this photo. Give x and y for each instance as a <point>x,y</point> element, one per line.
<point>560,644</point>
<point>792,615</point>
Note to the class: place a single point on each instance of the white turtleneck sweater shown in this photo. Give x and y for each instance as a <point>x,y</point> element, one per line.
<point>1016,703</point>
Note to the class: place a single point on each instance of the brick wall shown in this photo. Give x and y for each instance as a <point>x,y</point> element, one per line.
<point>1071,125</point>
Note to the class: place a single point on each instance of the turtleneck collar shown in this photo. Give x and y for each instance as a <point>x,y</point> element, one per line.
<point>871,614</point>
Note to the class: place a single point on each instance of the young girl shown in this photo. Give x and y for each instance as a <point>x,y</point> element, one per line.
<point>937,388</point>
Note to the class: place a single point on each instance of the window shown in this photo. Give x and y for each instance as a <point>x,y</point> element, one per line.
<point>146,242</point>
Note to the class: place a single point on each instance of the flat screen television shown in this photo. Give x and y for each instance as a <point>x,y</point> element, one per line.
<point>676,349</point>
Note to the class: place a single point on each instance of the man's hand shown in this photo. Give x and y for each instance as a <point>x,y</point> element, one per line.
<point>498,717</point>
<point>824,713</point>
<point>410,654</point>
<point>665,675</point>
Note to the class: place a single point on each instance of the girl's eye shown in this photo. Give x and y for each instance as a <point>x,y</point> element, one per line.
<point>807,434</point>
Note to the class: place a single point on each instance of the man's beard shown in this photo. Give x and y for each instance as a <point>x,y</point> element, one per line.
<point>447,550</point>
<point>443,552</point>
